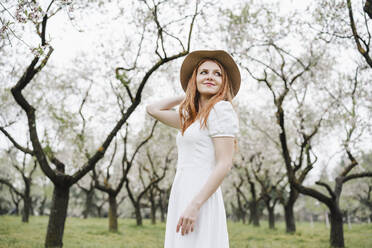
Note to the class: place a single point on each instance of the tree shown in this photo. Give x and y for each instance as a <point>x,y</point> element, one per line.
<point>153,175</point>
<point>268,45</point>
<point>89,192</point>
<point>136,194</point>
<point>61,180</point>
<point>269,181</point>
<point>363,44</point>
<point>332,200</point>
<point>339,23</point>
<point>126,165</point>
<point>251,203</point>
<point>288,71</point>
<point>27,180</point>
<point>365,186</point>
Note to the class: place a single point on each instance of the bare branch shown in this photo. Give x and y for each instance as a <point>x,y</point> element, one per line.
<point>18,146</point>
<point>328,188</point>
<point>358,175</point>
<point>10,185</point>
<point>192,25</point>
<point>361,50</point>
<point>144,141</point>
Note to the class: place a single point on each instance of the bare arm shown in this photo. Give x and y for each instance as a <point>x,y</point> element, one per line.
<point>162,111</point>
<point>224,150</point>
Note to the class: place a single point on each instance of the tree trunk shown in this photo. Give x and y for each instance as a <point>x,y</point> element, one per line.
<point>99,211</point>
<point>113,217</point>
<point>137,210</point>
<point>42,206</point>
<point>337,231</point>
<point>255,218</point>
<point>88,203</point>
<point>271,218</point>
<point>243,216</point>
<point>254,213</point>
<point>162,210</point>
<point>152,206</point>
<point>153,213</point>
<point>57,218</point>
<point>26,200</point>
<point>26,209</point>
<point>289,217</point>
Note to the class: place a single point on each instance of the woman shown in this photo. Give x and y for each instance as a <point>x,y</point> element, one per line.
<point>208,126</point>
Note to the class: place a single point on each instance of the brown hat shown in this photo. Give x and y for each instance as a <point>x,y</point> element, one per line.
<point>228,63</point>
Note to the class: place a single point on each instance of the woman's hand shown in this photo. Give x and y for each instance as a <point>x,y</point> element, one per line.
<point>187,220</point>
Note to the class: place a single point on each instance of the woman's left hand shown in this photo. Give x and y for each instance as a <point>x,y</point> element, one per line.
<point>187,220</point>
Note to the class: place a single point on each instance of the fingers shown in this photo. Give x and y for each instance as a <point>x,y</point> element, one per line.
<point>179,224</point>
<point>186,225</point>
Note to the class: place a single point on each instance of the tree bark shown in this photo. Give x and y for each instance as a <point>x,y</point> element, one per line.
<point>162,208</point>
<point>152,205</point>
<point>337,229</point>
<point>42,206</point>
<point>254,213</point>
<point>153,213</point>
<point>57,217</point>
<point>290,223</point>
<point>289,218</point>
<point>26,209</point>
<point>240,209</point>
<point>88,203</point>
<point>26,200</point>
<point>137,211</point>
<point>271,217</point>
<point>113,217</point>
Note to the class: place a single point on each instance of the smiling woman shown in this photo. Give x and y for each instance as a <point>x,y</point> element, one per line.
<point>207,126</point>
<point>209,78</point>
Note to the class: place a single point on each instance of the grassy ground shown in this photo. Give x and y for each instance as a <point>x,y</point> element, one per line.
<point>92,233</point>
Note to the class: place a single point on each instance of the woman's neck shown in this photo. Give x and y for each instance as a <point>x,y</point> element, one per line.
<point>203,101</point>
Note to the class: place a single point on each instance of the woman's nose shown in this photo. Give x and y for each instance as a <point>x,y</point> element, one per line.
<point>210,76</point>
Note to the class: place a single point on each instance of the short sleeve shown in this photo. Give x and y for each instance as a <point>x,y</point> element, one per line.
<point>223,121</point>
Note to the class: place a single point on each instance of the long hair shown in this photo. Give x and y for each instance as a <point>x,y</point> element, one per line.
<point>190,109</point>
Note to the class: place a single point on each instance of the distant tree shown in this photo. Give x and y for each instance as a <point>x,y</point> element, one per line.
<point>153,175</point>
<point>26,172</point>
<point>352,123</point>
<point>140,190</point>
<point>89,193</point>
<point>107,185</point>
<point>337,22</point>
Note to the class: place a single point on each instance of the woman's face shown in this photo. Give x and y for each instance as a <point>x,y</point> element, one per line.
<point>208,78</point>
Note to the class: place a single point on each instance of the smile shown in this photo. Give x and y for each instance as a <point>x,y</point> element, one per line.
<point>209,84</point>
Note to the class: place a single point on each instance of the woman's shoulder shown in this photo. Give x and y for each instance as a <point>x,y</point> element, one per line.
<point>223,120</point>
<point>222,106</point>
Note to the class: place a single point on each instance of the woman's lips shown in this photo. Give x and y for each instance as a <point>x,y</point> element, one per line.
<point>209,84</point>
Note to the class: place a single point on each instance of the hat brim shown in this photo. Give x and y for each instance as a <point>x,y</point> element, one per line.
<point>228,63</point>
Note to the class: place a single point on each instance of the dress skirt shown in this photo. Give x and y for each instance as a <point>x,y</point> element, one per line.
<point>210,230</point>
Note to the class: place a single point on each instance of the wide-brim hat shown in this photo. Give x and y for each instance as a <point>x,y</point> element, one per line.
<point>225,59</point>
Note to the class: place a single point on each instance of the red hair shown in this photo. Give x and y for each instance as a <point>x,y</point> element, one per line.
<point>190,109</point>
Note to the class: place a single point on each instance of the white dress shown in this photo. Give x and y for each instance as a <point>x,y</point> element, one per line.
<point>196,161</point>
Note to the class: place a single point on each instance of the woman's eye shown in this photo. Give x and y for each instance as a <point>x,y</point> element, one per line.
<point>203,72</point>
<point>218,74</point>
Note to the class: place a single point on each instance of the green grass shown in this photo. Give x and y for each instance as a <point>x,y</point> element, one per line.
<point>92,233</point>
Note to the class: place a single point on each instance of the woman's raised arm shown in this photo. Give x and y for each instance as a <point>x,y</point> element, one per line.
<point>162,111</point>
